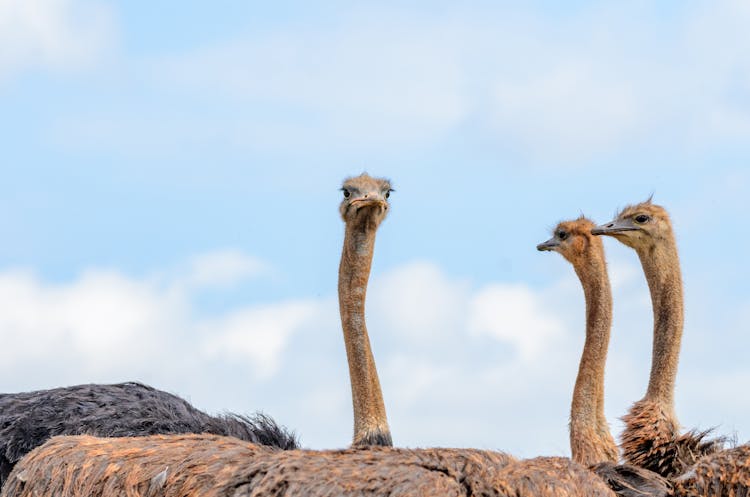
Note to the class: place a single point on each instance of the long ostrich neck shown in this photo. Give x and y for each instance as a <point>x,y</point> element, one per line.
<point>354,272</point>
<point>661,266</point>
<point>587,409</point>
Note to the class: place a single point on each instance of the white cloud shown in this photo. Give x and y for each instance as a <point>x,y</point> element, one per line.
<point>453,357</point>
<point>223,269</point>
<point>107,324</point>
<point>257,334</point>
<point>58,34</point>
<point>513,313</point>
<point>418,303</point>
<point>490,366</point>
<point>104,317</point>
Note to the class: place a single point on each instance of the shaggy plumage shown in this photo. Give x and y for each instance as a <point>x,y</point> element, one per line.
<point>29,419</point>
<point>652,440</point>
<point>724,474</point>
<point>213,466</point>
<point>553,477</point>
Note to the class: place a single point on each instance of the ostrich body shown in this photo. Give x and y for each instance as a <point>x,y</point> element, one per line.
<point>651,438</point>
<point>363,208</point>
<point>29,419</point>
<point>590,439</point>
<point>212,466</point>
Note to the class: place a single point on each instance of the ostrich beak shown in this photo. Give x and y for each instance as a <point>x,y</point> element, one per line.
<point>615,227</point>
<point>549,245</point>
<point>365,201</point>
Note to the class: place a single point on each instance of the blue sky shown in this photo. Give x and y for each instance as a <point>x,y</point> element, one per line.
<point>170,186</point>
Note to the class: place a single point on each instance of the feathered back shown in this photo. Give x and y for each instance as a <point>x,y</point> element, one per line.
<point>29,419</point>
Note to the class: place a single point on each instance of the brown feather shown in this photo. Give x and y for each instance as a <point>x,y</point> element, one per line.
<point>212,466</point>
<point>590,439</point>
<point>651,440</point>
<point>723,474</point>
<point>363,208</point>
<point>627,480</point>
<point>552,477</point>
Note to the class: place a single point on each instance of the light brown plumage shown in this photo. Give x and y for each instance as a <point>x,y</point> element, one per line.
<point>211,466</point>
<point>723,474</point>
<point>363,208</point>
<point>590,439</point>
<point>651,438</point>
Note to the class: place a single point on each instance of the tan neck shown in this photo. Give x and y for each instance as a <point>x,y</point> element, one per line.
<point>370,423</point>
<point>591,440</point>
<point>661,266</point>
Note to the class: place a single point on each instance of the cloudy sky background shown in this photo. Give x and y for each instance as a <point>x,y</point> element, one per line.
<point>168,203</point>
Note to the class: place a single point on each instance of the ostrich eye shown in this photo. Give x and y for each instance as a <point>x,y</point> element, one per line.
<point>641,218</point>
<point>347,193</point>
<point>387,194</point>
<point>562,235</point>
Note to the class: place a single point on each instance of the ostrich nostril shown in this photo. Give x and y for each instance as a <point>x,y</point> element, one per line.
<point>610,225</point>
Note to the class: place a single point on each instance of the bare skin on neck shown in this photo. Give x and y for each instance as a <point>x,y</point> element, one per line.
<point>363,208</point>
<point>651,438</point>
<point>590,439</point>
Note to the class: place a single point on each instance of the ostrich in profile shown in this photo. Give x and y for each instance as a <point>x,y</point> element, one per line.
<point>651,438</point>
<point>208,465</point>
<point>590,439</point>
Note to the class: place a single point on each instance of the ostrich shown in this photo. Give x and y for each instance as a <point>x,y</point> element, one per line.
<point>28,419</point>
<point>210,465</point>
<point>590,439</point>
<point>699,468</point>
<point>651,438</point>
<point>363,208</point>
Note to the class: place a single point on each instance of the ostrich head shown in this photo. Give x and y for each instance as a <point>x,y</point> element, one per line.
<point>572,239</point>
<point>365,199</point>
<point>639,226</point>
